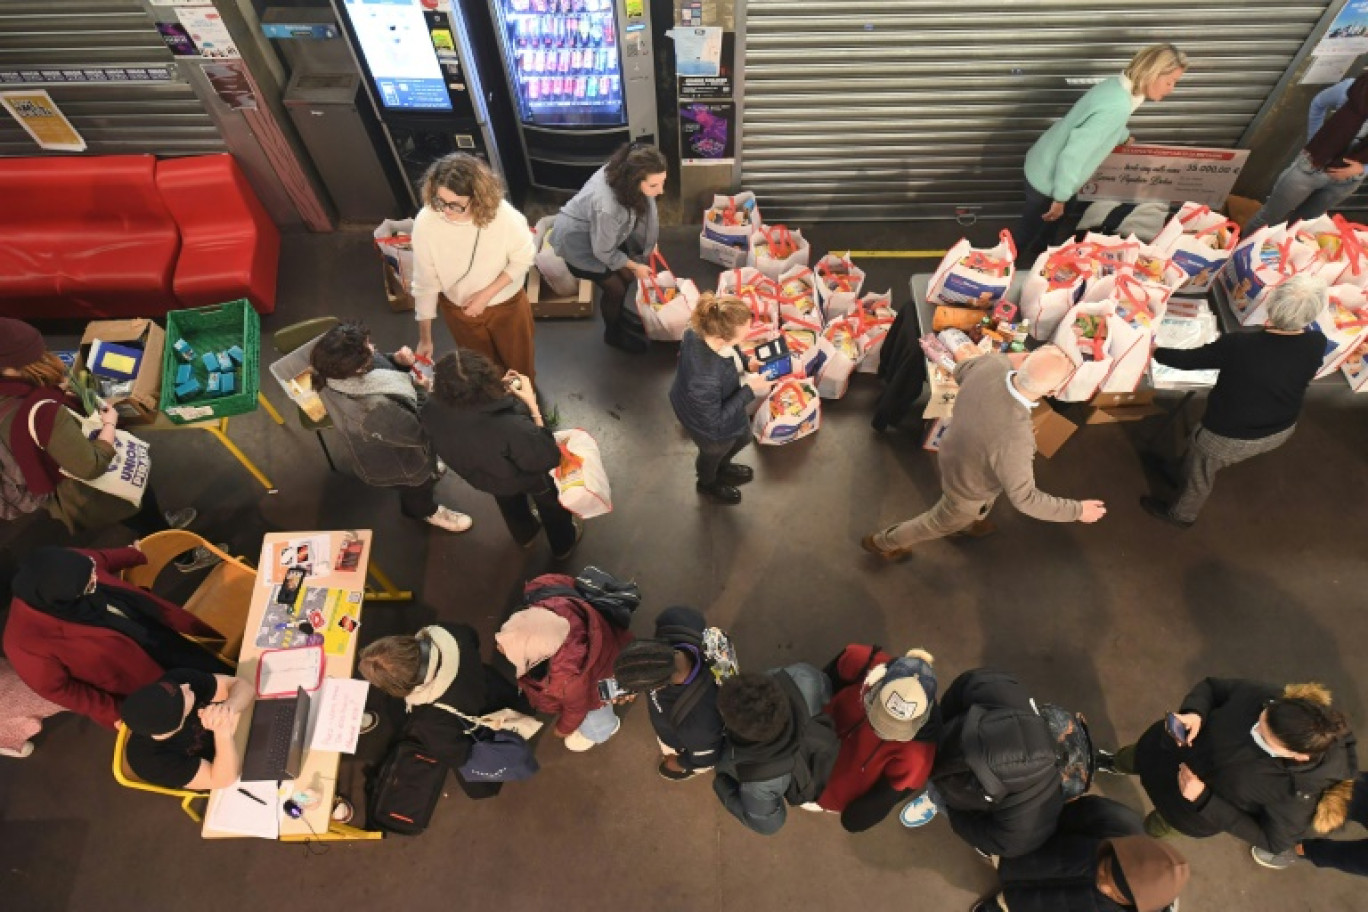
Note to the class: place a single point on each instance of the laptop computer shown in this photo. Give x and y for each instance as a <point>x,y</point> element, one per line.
<point>275,742</point>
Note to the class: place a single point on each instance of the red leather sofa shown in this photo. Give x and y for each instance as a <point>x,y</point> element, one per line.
<point>127,235</point>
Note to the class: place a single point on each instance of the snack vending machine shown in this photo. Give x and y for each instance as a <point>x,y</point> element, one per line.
<point>582,81</point>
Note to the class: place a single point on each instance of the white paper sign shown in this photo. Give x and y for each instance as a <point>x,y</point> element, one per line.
<point>207,30</point>
<point>1173,174</point>
<point>246,809</point>
<point>1326,69</point>
<point>337,725</point>
<point>698,51</point>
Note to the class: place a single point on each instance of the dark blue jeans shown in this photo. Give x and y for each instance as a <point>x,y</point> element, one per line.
<point>1350,856</point>
<point>1032,233</point>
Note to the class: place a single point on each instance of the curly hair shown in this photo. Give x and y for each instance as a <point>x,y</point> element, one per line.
<point>465,175</point>
<point>630,165</point>
<point>753,707</point>
<point>343,352</point>
<point>467,379</point>
<point>48,371</point>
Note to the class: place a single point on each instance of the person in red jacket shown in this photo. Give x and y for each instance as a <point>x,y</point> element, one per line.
<point>84,639</point>
<point>561,649</point>
<point>887,718</point>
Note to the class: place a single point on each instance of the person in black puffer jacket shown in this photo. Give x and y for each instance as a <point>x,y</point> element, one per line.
<point>1256,763</point>
<point>489,430</point>
<point>991,727</point>
<point>710,397</point>
<point>441,667</point>
<point>1098,860</point>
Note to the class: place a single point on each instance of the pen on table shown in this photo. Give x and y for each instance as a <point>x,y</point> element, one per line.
<point>250,795</point>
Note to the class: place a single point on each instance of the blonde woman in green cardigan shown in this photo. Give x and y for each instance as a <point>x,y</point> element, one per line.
<point>1068,153</point>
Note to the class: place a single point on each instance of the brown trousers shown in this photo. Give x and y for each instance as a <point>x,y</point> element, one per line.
<point>503,333</point>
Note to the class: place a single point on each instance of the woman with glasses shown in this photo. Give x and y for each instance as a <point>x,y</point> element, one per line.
<point>84,639</point>
<point>607,232</point>
<point>471,253</point>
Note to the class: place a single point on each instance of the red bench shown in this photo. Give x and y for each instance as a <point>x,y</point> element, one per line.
<point>126,235</point>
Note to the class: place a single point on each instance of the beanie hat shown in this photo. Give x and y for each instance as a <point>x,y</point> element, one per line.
<point>156,709</point>
<point>20,344</point>
<point>644,665</point>
<point>898,695</point>
<point>1151,872</point>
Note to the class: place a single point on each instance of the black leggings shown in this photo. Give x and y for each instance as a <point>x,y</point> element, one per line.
<point>149,518</point>
<point>614,285</point>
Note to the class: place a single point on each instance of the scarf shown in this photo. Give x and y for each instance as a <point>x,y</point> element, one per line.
<point>442,672</point>
<point>532,636</point>
<point>379,382</point>
<point>40,471</point>
<point>53,581</point>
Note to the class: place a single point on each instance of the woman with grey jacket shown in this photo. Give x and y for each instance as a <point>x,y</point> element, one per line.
<point>374,405</point>
<point>607,233</point>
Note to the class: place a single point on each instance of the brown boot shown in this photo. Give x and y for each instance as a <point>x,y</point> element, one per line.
<point>872,546</point>
<point>981,528</point>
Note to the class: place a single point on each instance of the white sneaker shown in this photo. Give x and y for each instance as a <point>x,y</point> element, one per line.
<point>369,722</point>
<point>578,743</point>
<point>180,519</point>
<point>18,753</point>
<point>450,520</point>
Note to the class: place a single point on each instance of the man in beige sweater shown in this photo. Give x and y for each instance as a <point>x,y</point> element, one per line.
<point>988,451</point>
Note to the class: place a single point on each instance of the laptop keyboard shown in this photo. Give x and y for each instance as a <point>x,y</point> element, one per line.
<point>276,751</point>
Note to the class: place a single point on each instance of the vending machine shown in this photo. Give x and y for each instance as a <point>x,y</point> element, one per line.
<point>582,81</point>
<point>422,64</point>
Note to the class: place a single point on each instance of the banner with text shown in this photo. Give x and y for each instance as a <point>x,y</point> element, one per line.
<point>1174,174</point>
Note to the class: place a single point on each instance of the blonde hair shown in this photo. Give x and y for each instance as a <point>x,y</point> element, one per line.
<point>393,664</point>
<point>46,371</point>
<point>465,175</point>
<point>719,316</point>
<point>1151,63</point>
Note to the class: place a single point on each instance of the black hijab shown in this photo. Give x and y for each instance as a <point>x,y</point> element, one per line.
<point>54,581</point>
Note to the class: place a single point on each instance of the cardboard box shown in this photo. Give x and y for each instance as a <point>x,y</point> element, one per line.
<point>1051,429</point>
<point>398,296</point>
<point>1122,413</point>
<point>578,305</point>
<point>1142,396</point>
<point>140,406</point>
<point>935,434</point>
<point>724,255</point>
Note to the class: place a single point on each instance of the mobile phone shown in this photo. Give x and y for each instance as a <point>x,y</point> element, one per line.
<point>609,690</point>
<point>1176,729</point>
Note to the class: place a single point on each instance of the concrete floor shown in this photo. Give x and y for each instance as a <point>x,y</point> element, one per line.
<point>1117,620</point>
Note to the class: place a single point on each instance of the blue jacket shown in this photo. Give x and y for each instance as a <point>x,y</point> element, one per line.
<point>708,396</point>
<point>1068,153</point>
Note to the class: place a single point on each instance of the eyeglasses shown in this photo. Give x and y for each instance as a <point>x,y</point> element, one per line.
<point>442,205</point>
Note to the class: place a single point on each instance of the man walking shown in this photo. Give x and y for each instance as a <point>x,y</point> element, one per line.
<point>988,451</point>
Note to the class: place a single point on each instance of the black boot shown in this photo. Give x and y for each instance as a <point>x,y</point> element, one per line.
<point>722,493</point>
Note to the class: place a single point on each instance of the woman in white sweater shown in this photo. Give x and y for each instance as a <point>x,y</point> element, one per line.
<point>471,253</point>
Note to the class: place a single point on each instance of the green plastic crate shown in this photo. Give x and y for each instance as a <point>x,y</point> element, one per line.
<point>215,328</point>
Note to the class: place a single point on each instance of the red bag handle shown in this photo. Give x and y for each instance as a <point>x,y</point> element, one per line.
<point>657,263</point>
<point>799,321</point>
<point>797,387</point>
<point>1195,213</point>
<point>1349,242</point>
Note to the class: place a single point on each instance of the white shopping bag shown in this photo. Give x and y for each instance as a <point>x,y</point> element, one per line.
<point>875,314</point>
<point>1110,252</point>
<point>1153,264</point>
<point>126,475</point>
<point>1199,242</point>
<point>1055,284</point>
<point>395,242</point>
<point>1355,369</point>
<point>1339,243</point>
<point>1113,364</point>
<point>977,278</point>
<point>665,303</point>
<point>792,410</point>
<point>581,479</point>
<point>808,349</point>
<point>731,220</point>
<point>798,297</point>
<point>774,250</point>
<point>759,291</point>
<point>1140,302</point>
<point>1260,263</point>
<point>1344,323</point>
<point>550,265</point>
<point>839,283</point>
<point>843,335</point>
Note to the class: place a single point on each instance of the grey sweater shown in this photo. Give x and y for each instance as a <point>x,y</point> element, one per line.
<point>990,445</point>
<point>593,228</point>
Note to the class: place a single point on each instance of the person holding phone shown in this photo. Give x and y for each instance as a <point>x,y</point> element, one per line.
<point>487,426</point>
<point>1330,168</point>
<point>711,392</point>
<point>562,649</point>
<point>1246,758</point>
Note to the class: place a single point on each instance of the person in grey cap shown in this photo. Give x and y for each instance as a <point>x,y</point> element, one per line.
<point>887,718</point>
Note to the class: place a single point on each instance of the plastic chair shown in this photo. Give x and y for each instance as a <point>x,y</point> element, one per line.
<point>222,600</point>
<point>287,339</point>
<point>128,779</point>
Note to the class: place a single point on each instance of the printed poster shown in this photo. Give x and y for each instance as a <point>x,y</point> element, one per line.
<point>205,27</point>
<point>43,121</point>
<point>1344,41</point>
<point>698,51</point>
<point>1169,173</point>
<point>707,131</point>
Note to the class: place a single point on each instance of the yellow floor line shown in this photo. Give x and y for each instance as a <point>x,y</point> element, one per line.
<point>897,254</point>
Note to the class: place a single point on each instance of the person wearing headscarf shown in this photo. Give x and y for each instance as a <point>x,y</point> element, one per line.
<point>84,639</point>
<point>54,454</point>
<point>561,648</point>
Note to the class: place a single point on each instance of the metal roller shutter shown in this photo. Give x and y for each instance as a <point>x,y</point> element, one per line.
<point>910,109</point>
<point>166,118</point>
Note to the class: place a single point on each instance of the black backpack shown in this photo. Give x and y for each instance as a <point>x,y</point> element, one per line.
<point>811,764</point>
<point>406,789</point>
<point>611,597</point>
<point>995,757</point>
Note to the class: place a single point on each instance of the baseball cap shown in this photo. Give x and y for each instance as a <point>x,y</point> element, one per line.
<point>898,696</point>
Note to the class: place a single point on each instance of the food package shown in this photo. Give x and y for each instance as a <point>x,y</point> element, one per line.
<point>665,303</point>
<point>798,298</point>
<point>1109,354</point>
<point>792,411</point>
<point>876,314</point>
<point>1261,262</point>
<point>727,227</point>
<point>1140,302</point>
<point>760,292</point>
<point>1055,284</point>
<point>839,283</point>
<point>1344,323</point>
<point>774,250</point>
<point>970,277</point>
<point>581,480</point>
<point>1199,242</point>
<point>844,336</point>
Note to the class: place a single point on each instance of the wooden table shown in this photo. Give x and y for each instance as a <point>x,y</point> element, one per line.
<point>320,767</point>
